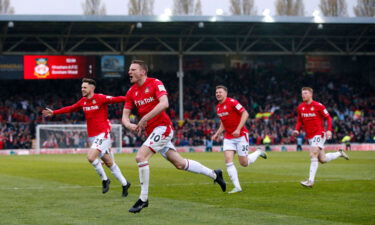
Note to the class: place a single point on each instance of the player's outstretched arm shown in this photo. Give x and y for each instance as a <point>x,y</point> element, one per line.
<point>113,99</point>
<point>47,112</point>
<point>68,109</point>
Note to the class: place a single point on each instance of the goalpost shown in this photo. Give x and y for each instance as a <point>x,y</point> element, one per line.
<point>71,136</point>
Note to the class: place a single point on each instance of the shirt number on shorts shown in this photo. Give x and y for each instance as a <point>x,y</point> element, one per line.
<point>155,137</point>
<point>244,148</point>
<point>98,141</point>
<point>316,139</point>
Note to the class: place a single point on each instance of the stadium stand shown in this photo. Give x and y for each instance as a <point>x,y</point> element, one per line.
<point>269,96</point>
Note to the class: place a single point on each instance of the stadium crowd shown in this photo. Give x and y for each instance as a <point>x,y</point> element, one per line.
<point>271,99</point>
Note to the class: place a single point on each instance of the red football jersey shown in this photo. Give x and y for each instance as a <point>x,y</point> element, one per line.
<point>145,98</point>
<point>311,117</point>
<point>96,112</point>
<point>230,112</point>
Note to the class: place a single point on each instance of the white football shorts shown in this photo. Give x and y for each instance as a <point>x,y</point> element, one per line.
<point>102,142</point>
<point>240,145</point>
<point>317,141</point>
<point>158,142</point>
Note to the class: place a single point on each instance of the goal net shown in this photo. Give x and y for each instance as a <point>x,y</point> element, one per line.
<point>71,136</point>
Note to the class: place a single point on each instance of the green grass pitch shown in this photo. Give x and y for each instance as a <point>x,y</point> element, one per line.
<point>64,189</point>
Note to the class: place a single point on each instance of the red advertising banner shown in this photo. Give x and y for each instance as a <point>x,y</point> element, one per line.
<point>58,67</point>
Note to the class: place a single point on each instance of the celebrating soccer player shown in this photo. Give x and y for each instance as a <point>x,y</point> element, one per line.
<point>95,108</point>
<point>233,117</point>
<point>149,96</point>
<point>310,116</point>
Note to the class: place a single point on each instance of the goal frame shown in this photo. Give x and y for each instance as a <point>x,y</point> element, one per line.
<point>82,126</point>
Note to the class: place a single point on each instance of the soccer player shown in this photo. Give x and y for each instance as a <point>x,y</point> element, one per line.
<point>310,116</point>
<point>95,108</point>
<point>149,96</point>
<point>233,117</point>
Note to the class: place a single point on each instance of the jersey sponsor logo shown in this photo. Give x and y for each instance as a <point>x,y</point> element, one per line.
<point>89,108</point>
<point>308,114</point>
<point>223,114</point>
<point>144,101</point>
<point>238,106</point>
<point>161,88</point>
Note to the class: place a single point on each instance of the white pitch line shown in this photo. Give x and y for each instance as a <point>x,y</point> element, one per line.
<point>269,181</point>
<point>177,184</point>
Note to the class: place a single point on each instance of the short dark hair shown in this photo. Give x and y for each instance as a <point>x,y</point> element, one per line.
<point>89,80</point>
<point>307,89</point>
<point>222,87</point>
<point>141,63</point>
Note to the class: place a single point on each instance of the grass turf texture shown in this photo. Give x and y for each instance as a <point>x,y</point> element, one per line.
<point>64,189</point>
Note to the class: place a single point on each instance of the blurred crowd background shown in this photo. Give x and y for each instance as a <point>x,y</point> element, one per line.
<point>270,97</point>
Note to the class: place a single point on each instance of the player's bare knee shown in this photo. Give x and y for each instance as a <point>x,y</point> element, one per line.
<point>139,159</point>
<point>244,164</point>
<point>228,161</point>
<point>180,165</point>
<point>108,164</point>
<point>91,159</point>
<point>322,161</point>
<point>314,154</point>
